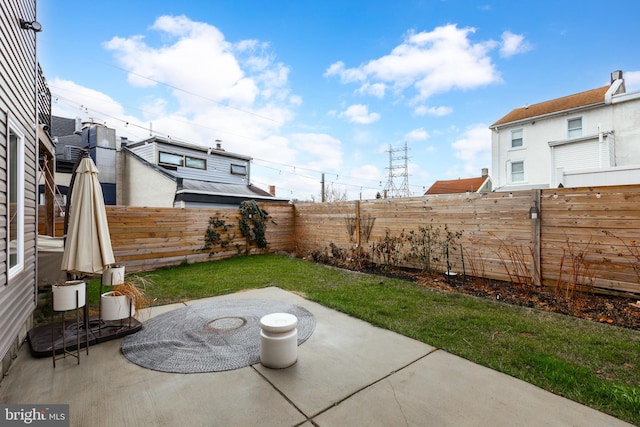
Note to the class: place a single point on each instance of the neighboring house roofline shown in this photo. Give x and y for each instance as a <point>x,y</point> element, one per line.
<point>209,193</point>
<point>579,101</point>
<point>455,186</point>
<point>196,188</point>
<point>202,148</point>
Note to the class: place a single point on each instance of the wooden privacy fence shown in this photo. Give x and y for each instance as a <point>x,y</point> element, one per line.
<point>581,236</point>
<point>148,238</point>
<point>488,225</point>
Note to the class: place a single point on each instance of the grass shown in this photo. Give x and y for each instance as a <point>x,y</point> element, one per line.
<point>591,363</point>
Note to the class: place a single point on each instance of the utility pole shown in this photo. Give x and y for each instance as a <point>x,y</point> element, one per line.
<point>322,191</point>
<point>397,171</point>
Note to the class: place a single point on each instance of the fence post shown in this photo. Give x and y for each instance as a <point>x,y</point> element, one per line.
<point>535,251</point>
<point>358,223</point>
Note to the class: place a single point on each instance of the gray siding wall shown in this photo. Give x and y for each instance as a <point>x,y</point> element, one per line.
<point>218,165</point>
<point>147,152</point>
<point>17,100</point>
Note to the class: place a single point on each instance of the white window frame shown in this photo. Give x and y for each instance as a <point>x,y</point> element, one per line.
<point>237,169</point>
<point>510,172</point>
<point>17,266</point>
<point>190,162</point>
<point>516,147</point>
<point>575,132</point>
<point>165,162</point>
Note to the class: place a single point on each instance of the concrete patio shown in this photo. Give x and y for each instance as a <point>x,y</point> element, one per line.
<point>349,373</point>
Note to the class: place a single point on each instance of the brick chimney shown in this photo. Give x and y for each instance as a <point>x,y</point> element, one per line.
<point>272,190</point>
<point>485,172</point>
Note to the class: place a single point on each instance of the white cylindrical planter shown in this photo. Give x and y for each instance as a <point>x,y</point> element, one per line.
<point>116,307</point>
<point>278,340</point>
<point>65,296</point>
<point>113,276</point>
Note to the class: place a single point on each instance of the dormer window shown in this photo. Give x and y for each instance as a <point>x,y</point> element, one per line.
<point>516,138</point>
<point>574,127</point>
<point>196,163</point>
<point>172,160</point>
<point>238,169</point>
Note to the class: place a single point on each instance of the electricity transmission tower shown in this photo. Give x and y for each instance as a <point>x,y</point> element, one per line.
<point>398,168</point>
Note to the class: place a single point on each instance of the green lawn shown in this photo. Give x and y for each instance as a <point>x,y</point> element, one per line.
<point>595,364</point>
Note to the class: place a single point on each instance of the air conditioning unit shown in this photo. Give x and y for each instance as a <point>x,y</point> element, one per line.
<point>71,152</point>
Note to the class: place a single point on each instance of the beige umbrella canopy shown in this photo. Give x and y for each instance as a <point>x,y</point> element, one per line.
<point>87,248</point>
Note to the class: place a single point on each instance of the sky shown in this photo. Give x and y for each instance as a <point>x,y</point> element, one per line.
<point>330,88</point>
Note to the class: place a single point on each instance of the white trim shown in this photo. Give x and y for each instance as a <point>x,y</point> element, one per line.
<point>605,134</point>
<point>520,147</point>
<point>567,120</point>
<point>510,172</point>
<point>19,214</point>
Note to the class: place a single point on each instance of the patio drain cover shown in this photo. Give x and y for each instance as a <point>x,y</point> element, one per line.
<point>209,336</point>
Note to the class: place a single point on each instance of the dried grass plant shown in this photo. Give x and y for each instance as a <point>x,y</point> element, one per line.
<point>134,287</point>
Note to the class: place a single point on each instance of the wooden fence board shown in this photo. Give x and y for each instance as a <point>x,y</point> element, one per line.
<point>602,222</point>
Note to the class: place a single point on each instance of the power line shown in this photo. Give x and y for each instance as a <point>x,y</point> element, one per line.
<point>188,92</point>
<point>148,129</point>
<point>127,123</point>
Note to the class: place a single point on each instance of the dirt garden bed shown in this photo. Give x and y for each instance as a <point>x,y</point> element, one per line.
<point>613,310</point>
<point>619,311</point>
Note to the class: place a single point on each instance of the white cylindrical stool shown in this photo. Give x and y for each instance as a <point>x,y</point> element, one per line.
<point>278,340</point>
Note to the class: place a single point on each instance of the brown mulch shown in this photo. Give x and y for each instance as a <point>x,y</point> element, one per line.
<point>613,310</point>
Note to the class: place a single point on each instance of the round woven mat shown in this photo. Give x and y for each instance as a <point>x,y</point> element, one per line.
<point>209,336</point>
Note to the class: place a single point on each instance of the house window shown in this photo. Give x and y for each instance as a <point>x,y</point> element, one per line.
<point>170,159</point>
<point>574,127</point>
<point>15,196</point>
<point>516,171</point>
<point>516,138</point>
<point>194,162</point>
<point>238,169</point>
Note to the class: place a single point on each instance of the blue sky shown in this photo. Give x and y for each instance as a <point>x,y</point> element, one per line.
<point>312,87</point>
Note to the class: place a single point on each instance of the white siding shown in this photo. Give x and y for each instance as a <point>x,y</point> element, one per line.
<point>577,156</point>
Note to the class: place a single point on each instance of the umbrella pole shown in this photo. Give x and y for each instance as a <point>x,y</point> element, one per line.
<point>84,153</point>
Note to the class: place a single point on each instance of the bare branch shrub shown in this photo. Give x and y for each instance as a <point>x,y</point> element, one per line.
<point>580,280</point>
<point>515,261</point>
<point>387,250</point>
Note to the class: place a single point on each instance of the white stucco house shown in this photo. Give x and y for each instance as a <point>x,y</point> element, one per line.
<point>585,139</point>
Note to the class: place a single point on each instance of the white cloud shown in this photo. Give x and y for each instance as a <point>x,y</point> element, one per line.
<point>513,44</point>
<point>200,66</point>
<point>424,110</point>
<point>375,89</point>
<point>71,100</point>
<point>474,149</point>
<point>322,151</point>
<point>417,135</point>
<point>335,69</point>
<point>360,114</point>
<point>428,63</point>
<point>632,80</point>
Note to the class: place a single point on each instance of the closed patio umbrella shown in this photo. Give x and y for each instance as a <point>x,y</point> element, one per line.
<point>87,248</point>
